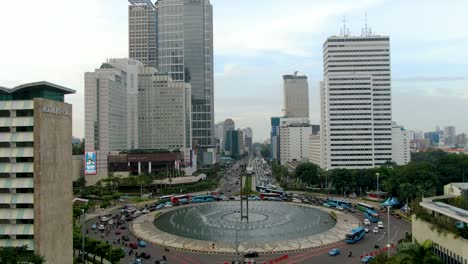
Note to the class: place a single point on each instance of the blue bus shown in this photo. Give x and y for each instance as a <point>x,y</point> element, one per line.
<point>202,199</point>
<point>372,215</point>
<point>335,202</point>
<point>355,235</point>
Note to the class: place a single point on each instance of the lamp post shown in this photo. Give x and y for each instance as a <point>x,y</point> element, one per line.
<point>326,180</point>
<point>388,230</point>
<point>82,235</point>
<point>237,235</point>
<point>378,192</point>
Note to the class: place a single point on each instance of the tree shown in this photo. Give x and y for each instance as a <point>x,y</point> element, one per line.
<point>308,173</point>
<point>340,179</point>
<point>14,255</point>
<point>415,253</point>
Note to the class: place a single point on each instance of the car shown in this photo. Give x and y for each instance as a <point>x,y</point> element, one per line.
<point>334,252</point>
<point>133,245</point>
<point>237,198</point>
<point>367,259</point>
<point>129,218</point>
<point>351,210</point>
<point>398,216</point>
<point>341,208</point>
<point>159,206</point>
<point>251,254</point>
<point>366,230</point>
<point>295,200</point>
<point>326,204</point>
<point>104,219</point>
<point>248,261</point>
<point>367,222</point>
<point>101,227</point>
<point>380,225</point>
<point>125,238</point>
<point>145,211</point>
<point>117,232</point>
<point>145,255</point>
<point>141,243</point>
<point>93,227</point>
<point>375,230</point>
<point>111,222</point>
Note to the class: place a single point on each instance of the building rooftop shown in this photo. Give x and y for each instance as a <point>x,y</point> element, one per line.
<point>29,91</point>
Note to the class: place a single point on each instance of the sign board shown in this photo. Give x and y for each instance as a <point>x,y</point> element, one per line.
<point>90,163</point>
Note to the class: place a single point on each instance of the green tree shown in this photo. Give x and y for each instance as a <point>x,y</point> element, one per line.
<point>308,173</point>
<point>340,179</point>
<point>14,255</point>
<point>415,253</point>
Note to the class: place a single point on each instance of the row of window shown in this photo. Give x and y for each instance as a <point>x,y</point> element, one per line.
<point>358,55</point>
<point>349,89</point>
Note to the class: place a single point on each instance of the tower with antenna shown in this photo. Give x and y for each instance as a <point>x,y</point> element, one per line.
<point>366,31</point>
<point>344,31</point>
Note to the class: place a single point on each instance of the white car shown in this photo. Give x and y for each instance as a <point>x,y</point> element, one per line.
<point>367,222</point>
<point>101,227</point>
<point>145,211</point>
<point>296,200</point>
<point>340,208</point>
<point>380,225</point>
<point>366,230</point>
<point>104,219</point>
<point>111,222</point>
<point>375,230</point>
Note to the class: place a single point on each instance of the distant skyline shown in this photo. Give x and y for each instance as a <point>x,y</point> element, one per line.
<point>255,44</point>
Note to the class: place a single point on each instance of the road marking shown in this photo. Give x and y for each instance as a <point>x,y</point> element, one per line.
<point>381,238</point>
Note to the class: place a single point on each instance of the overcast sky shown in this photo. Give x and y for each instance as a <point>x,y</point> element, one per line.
<point>256,42</point>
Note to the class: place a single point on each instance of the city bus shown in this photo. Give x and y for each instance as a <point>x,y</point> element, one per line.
<point>364,207</point>
<point>261,188</point>
<point>337,202</point>
<point>277,191</point>
<point>372,215</point>
<point>270,196</point>
<point>183,199</point>
<point>355,235</point>
<point>165,198</point>
<point>203,198</point>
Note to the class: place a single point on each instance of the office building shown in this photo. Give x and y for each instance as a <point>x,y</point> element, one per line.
<point>142,36</point>
<point>294,135</point>
<point>133,68</point>
<point>185,52</point>
<point>35,165</point>
<point>449,135</point>
<point>401,140</point>
<point>315,149</point>
<point>295,96</point>
<point>234,143</point>
<point>164,112</point>
<point>274,138</point>
<point>247,138</point>
<point>460,140</point>
<point>106,112</point>
<point>355,102</point>
<point>219,136</point>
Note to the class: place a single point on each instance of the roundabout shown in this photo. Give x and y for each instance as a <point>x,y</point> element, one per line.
<point>273,227</point>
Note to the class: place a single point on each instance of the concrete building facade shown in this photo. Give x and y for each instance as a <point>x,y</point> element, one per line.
<point>294,134</point>
<point>142,35</point>
<point>164,112</point>
<point>355,102</point>
<point>295,96</point>
<point>401,139</point>
<point>35,164</point>
<point>274,138</point>
<point>185,52</point>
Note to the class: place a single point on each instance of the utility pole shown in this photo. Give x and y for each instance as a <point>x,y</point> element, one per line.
<point>388,230</point>
<point>378,192</point>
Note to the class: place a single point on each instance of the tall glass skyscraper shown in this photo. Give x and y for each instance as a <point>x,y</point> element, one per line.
<point>185,51</point>
<point>142,37</point>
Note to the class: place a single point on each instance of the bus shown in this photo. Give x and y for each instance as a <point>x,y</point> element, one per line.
<point>337,202</point>
<point>203,198</point>
<point>278,192</point>
<point>355,235</point>
<point>270,196</point>
<point>372,215</point>
<point>182,199</point>
<point>165,198</point>
<point>261,188</point>
<point>364,207</point>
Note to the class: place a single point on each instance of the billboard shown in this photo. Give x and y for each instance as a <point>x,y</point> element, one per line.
<point>90,163</point>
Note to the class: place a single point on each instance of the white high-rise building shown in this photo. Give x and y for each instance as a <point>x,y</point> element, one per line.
<point>314,149</point>
<point>106,112</point>
<point>294,134</point>
<point>356,129</point>
<point>133,68</point>
<point>164,112</point>
<point>401,138</point>
<point>296,96</point>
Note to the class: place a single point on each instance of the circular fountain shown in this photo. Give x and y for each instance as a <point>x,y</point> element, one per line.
<point>268,221</point>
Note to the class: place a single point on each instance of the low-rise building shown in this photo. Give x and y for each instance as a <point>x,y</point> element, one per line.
<point>441,223</point>
<point>294,136</point>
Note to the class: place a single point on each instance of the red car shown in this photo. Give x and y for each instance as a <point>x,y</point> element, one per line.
<point>145,255</point>
<point>133,245</point>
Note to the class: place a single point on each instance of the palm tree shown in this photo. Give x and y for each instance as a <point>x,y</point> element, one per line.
<point>415,253</point>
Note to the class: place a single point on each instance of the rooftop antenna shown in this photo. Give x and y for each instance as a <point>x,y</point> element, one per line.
<point>366,31</point>
<point>344,32</point>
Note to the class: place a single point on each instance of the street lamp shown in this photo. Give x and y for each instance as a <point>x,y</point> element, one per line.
<point>82,235</point>
<point>378,193</point>
<point>388,230</point>
<point>237,235</point>
<point>326,180</point>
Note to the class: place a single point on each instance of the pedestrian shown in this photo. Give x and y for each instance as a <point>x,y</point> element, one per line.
<point>164,257</point>
<point>118,241</point>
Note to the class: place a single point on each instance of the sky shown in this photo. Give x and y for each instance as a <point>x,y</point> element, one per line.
<point>256,42</point>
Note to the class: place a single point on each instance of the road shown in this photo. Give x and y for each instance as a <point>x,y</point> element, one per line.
<point>398,229</point>
<point>229,183</point>
<point>263,174</point>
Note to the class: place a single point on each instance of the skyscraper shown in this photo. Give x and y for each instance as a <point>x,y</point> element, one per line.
<point>142,37</point>
<point>296,96</point>
<point>185,51</point>
<point>356,128</point>
<point>106,112</point>
<point>164,112</point>
<point>449,135</point>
